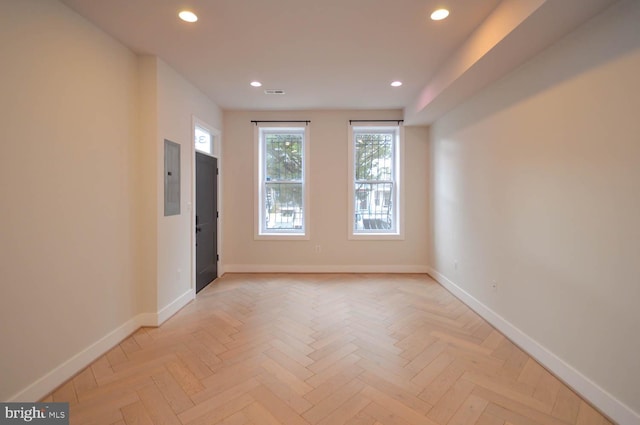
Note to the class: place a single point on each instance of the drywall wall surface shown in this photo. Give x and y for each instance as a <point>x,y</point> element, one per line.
<point>328,248</point>
<point>535,185</point>
<point>178,102</point>
<point>68,130</point>
<point>146,163</point>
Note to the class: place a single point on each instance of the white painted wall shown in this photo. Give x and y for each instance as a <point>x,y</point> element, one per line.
<point>536,184</point>
<point>168,104</point>
<point>67,216</point>
<point>178,102</point>
<point>328,188</point>
<point>86,253</point>
<point>148,195</point>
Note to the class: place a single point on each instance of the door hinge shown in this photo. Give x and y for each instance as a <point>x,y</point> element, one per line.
<point>217,257</point>
<point>217,171</point>
<point>217,214</point>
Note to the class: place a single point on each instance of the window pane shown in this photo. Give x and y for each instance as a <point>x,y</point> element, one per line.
<point>283,205</point>
<point>203,140</point>
<point>373,206</point>
<point>374,156</point>
<point>283,157</point>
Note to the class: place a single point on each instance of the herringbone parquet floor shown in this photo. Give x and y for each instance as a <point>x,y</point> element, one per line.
<point>326,350</point>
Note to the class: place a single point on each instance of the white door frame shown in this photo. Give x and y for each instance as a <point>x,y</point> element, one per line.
<point>216,149</point>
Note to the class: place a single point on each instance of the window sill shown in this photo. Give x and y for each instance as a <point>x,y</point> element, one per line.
<point>281,237</point>
<point>376,237</point>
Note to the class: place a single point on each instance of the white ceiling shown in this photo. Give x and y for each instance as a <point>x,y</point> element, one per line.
<point>338,54</point>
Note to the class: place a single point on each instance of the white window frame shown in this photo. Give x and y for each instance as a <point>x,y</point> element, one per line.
<point>213,133</point>
<point>397,233</point>
<point>216,152</point>
<point>260,232</point>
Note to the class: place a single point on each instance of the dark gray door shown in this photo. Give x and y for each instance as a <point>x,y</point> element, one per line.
<point>206,220</point>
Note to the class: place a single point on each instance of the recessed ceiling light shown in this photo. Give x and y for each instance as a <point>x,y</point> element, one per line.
<point>396,84</point>
<point>256,84</point>
<point>439,14</point>
<point>188,16</point>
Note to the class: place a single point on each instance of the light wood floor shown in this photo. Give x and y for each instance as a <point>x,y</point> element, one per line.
<point>326,350</point>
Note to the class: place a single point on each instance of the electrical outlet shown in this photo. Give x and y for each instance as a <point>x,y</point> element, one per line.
<point>318,248</point>
<point>494,286</point>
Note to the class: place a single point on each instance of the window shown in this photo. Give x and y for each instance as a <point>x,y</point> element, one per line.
<point>203,140</point>
<point>206,139</point>
<point>375,192</point>
<point>282,191</point>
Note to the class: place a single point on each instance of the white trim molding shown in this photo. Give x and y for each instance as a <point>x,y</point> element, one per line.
<point>156,319</point>
<point>60,374</point>
<point>75,364</point>
<point>274,268</point>
<point>216,136</point>
<point>588,389</point>
<point>397,198</point>
<point>174,306</point>
<point>259,195</point>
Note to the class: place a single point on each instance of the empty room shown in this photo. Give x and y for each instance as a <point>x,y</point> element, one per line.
<point>320,212</point>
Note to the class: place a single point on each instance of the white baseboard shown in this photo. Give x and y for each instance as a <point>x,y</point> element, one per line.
<point>174,306</point>
<point>148,319</point>
<point>271,268</point>
<point>588,389</point>
<point>75,364</point>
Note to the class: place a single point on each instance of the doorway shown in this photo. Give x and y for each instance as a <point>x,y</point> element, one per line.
<point>206,220</point>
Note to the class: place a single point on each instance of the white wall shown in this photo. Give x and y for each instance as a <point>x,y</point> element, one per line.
<point>178,102</point>
<point>147,163</point>
<point>167,107</point>
<point>536,184</point>
<point>86,253</point>
<point>67,216</point>
<point>328,191</point>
